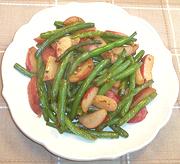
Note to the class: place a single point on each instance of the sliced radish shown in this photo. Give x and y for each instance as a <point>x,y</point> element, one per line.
<point>88,98</point>
<point>82,71</point>
<point>94,119</point>
<point>33,96</point>
<point>104,102</point>
<point>31,63</point>
<point>146,68</point>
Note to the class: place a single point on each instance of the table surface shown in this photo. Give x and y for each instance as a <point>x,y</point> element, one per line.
<point>163,15</point>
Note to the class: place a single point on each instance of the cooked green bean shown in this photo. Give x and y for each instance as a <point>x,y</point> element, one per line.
<point>126,107</point>
<point>77,130</point>
<point>85,86</point>
<point>99,51</point>
<point>41,86</point>
<point>58,24</point>
<point>132,82</point>
<point>123,87</point>
<point>103,134</point>
<point>62,98</point>
<point>121,76</point>
<point>129,115</point>
<point>138,57</point>
<point>120,131</point>
<point>106,35</point>
<point>24,71</point>
<point>58,77</point>
<point>48,34</point>
<point>87,34</point>
<point>114,73</point>
<point>60,34</point>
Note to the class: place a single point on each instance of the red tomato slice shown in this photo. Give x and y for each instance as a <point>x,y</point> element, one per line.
<point>139,116</point>
<point>33,96</point>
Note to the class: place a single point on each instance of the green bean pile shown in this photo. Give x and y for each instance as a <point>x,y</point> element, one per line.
<point>60,99</point>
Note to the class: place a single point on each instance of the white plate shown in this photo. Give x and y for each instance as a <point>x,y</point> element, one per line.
<point>105,16</point>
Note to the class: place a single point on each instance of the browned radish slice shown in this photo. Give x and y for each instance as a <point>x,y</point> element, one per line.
<point>130,49</point>
<point>139,78</point>
<point>88,98</point>
<point>33,96</point>
<point>39,40</point>
<point>72,20</point>
<point>31,64</point>
<point>141,95</point>
<point>113,96</point>
<point>94,119</point>
<point>82,71</point>
<point>146,68</point>
<point>48,51</point>
<point>51,68</point>
<point>105,102</point>
<point>62,45</point>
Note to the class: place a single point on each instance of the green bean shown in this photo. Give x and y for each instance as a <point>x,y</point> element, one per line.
<point>114,69</point>
<point>58,24</point>
<point>51,124</point>
<point>143,86</point>
<point>103,134</point>
<point>126,107</point>
<point>107,86</point>
<point>74,47</point>
<point>41,85</point>
<point>97,58</point>
<point>120,131</point>
<point>41,89</point>
<point>138,57</point>
<point>114,36</point>
<point>48,34</point>
<point>77,130</point>
<point>116,65</point>
<point>87,34</point>
<point>132,82</point>
<point>111,74</point>
<point>102,72</point>
<point>58,77</point>
<point>134,110</point>
<point>48,89</point>
<point>85,86</point>
<point>119,61</point>
<point>131,69</point>
<point>22,70</point>
<point>123,87</point>
<point>121,104</point>
<point>99,51</point>
<point>62,98</point>
<point>53,106</point>
<point>106,35</point>
<point>121,76</point>
<point>60,34</point>
<point>54,125</point>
